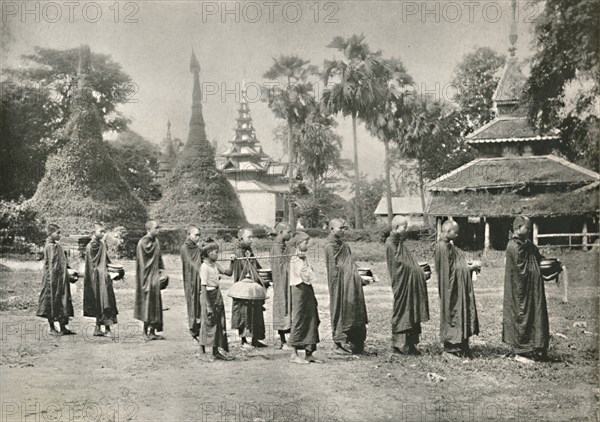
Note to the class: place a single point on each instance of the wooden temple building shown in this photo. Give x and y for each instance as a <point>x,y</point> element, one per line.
<point>260,182</point>
<point>516,172</point>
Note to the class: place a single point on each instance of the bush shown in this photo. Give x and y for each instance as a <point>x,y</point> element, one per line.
<point>21,228</point>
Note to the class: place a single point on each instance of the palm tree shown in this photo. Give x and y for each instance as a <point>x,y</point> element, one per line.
<point>290,103</point>
<point>360,85</point>
<point>389,119</point>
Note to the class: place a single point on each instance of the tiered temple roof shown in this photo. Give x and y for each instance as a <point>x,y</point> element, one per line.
<point>245,159</point>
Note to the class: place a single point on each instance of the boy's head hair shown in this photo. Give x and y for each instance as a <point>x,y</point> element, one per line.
<point>98,224</point>
<point>209,247</point>
<point>299,236</point>
<point>52,228</point>
<point>521,220</point>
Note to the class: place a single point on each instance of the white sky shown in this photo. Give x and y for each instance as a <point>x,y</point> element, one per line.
<point>155,48</point>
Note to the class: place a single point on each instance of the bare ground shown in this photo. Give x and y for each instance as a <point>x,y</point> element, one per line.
<point>98,379</point>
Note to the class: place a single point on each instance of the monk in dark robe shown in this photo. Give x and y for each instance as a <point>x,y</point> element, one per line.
<point>458,313</point>
<point>281,287</point>
<point>148,300</point>
<point>304,332</point>
<point>213,331</point>
<point>98,295</point>
<point>191,259</point>
<point>346,297</point>
<point>409,286</point>
<point>55,302</point>
<point>247,315</point>
<point>525,317</point>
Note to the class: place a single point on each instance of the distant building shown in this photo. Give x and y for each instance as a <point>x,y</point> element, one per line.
<point>516,173</point>
<point>407,206</point>
<point>260,182</point>
<point>167,158</point>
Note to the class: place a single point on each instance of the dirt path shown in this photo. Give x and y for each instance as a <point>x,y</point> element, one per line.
<point>82,378</point>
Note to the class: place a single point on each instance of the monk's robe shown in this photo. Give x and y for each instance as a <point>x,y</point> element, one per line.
<point>411,305</point>
<point>458,313</point>
<point>98,294</point>
<point>281,287</point>
<point>346,297</point>
<point>304,331</point>
<point>191,259</point>
<point>213,331</point>
<point>247,315</point>
<point>525,317</point>
<point>148,300</point>
<point>55,299</point>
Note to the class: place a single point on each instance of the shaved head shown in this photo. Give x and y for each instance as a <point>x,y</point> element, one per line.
<point>399,220</point>
<point>242,232</point>
<point>520,221</point>
<point>336,223</point>
<point>193,230</point>
<point>449,224</point>
<point>281,226</point>
<point>150,224</point>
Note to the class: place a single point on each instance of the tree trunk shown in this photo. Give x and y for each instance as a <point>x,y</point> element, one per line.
<point>357,199</point>
<point>422,191</point>
<point>291,176</point>
<point>388,183</point>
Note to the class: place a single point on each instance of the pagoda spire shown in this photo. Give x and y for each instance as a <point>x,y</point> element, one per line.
<point>197,132</point>
<point>513,37</point>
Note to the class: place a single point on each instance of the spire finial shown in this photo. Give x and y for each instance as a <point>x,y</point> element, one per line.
<point>513,37</point>
<point>194,65</point>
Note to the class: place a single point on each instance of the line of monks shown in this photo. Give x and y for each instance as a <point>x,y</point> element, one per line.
<point>295,314</point>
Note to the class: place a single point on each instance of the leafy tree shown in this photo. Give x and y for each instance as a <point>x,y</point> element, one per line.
<point>563,88</point>
<point>137,161</point>
<point>475,80</point>
<point>56,70</point>
<point>361,83</point>
<point>27,122</point>
<point>288,101</point>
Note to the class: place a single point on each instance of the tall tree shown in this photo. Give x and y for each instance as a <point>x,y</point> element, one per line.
<point>56,70</point>
<point>360,83</point>
<point>563,88</point>
<point>388,120</point>
<point>475,80</point>
<point>288,101</point>
<point>27,123</point>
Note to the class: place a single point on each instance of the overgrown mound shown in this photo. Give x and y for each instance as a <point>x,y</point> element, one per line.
<point>82,183</point>
<point>197,193</point>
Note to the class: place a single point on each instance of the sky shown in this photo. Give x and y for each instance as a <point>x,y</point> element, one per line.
<point>236,41</point>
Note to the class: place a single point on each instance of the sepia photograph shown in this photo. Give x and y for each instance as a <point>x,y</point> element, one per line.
<point>299,210</point>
